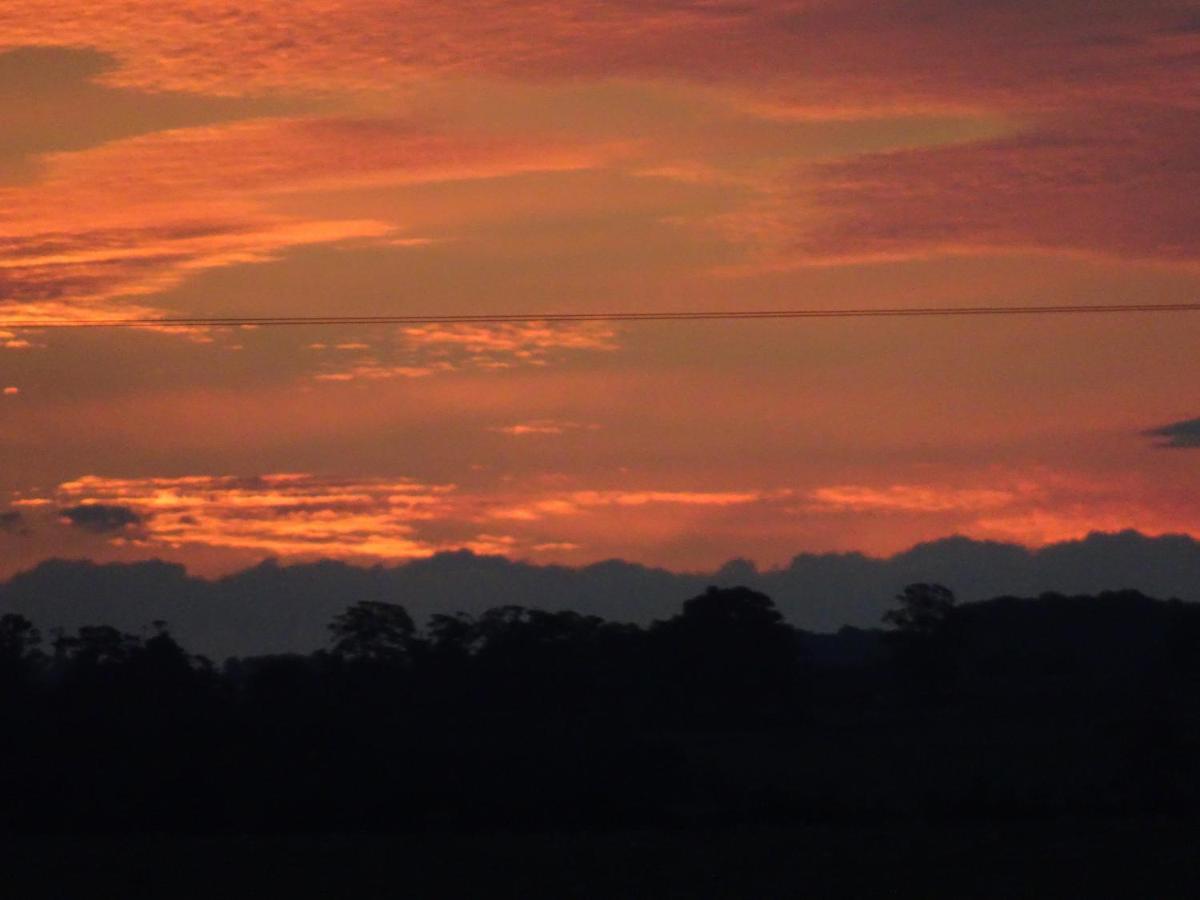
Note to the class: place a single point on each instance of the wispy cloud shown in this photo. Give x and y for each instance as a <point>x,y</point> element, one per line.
<point>420,351</point>
<point>87,238</point>
<point>573,503</point>
<point>541,427</point>
<point>908,498</point>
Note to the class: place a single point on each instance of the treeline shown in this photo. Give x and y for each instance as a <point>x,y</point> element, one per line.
<point>521,718</point>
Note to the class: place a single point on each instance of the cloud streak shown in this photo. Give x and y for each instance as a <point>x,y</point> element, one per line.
<point>424,350</point>
<point>86,237</point>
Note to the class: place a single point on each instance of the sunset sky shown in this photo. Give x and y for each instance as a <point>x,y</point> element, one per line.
<point>517,156</point>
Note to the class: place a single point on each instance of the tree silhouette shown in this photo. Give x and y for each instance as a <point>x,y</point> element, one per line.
<point>372,631</point>
<point>920,640</point>
<point>728,654</point>
<point>94,646</point>
<point>524,718</point>
<point>922,609</point>
<point>18,637</point>
<point>20,655</point>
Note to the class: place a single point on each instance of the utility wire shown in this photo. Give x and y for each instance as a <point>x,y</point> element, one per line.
<point>661,316</point>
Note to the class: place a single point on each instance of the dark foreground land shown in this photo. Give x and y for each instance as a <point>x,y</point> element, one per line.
<point>1044,747</point>
<point>1007,861</point>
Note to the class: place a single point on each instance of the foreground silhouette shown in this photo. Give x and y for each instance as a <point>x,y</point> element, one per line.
<point>1009,709</point>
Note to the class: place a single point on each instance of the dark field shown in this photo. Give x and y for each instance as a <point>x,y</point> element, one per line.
<point>1065,859</point>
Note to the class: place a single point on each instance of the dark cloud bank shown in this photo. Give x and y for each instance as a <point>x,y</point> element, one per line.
<point>272,608</point>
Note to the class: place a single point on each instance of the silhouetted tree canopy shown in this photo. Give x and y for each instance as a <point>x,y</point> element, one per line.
<point>727,654</point>
<point>18,637</point>
<point>372,631</point>
<point>921,609</point>
<point>1024,708</point>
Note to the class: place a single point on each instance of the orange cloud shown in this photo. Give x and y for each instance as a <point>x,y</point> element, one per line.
<point>87,237</point>
<point>10,341</point>
<point>539,427</point>
<point>520,340</point>
<point>134,217</point>
<point>372,370</point>
<point>430,349</point>
<point>389,128</point>
<point>577,502</point>
<point>909,498</point>
<point>306,516</point>
<point>1034,509</point>
<point>282,514</point>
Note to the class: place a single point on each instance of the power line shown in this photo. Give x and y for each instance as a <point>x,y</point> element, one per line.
<point>567,318</point>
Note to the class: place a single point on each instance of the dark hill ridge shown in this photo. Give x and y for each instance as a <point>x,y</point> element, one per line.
<point>272,608</point>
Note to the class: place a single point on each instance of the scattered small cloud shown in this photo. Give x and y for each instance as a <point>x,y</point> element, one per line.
<point>409,242</point>
<point>101,518</point>
<point>557,546</point>
<point>542,427</point>
<point>520,340</point>
<point>1185,434</point>
<point>424,350</point>
<point>374,371</point>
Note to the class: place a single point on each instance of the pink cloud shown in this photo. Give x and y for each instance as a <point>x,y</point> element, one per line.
<point>1107,183</point>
